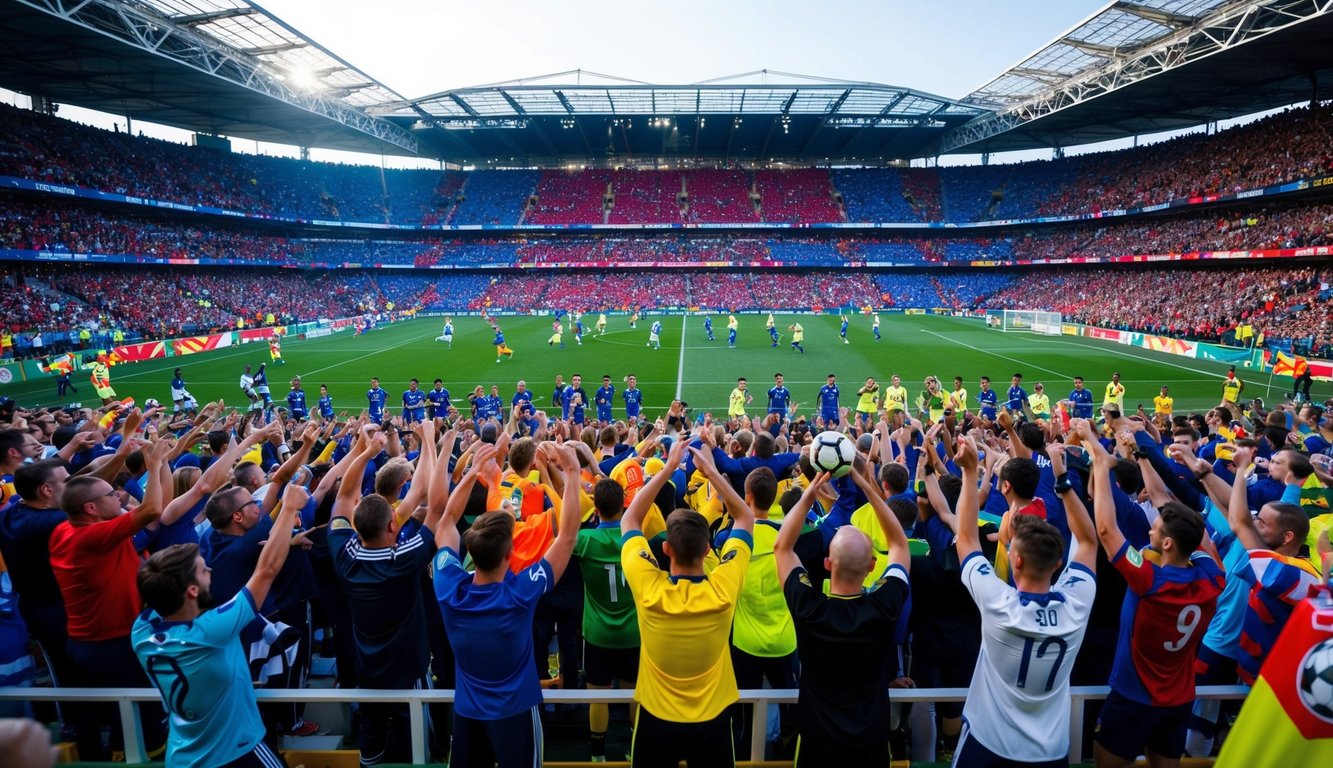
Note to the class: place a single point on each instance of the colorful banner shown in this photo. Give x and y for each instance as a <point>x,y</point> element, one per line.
<point>133,353</point>
<point>1223,354</point>
<point>255,334</point>
<point>195,344</point>
<point>1288,365</point>
<point>1170,345</point>
<point>1102,333</point>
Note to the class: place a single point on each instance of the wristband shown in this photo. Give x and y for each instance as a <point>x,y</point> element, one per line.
<point>1139,455</point>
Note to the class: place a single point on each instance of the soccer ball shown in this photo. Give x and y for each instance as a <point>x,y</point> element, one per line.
<point>1316,680</point>
<point>150,403</point>
<point>832,452</point>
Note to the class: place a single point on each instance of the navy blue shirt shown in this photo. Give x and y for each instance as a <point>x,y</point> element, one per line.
<point>296,404</point>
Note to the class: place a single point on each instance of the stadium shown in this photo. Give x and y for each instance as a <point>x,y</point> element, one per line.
<point>1113,358</point>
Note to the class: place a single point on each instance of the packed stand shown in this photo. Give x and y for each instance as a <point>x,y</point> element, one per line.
<point>496,198</point>
<point>802,196</point>
<point>719,196</point>
<point>873,195</point>
<point>570,197</point>
<point>646,197</point>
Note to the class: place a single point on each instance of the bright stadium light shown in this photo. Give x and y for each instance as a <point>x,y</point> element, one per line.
<point>303,79</point>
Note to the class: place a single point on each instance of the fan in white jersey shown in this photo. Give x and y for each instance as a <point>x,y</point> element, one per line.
<point>1017,709</point>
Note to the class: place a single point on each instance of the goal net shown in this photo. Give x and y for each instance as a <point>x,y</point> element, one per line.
<point>1029,320</point>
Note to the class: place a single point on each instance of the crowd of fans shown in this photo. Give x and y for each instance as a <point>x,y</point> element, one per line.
<point>1283,147</point>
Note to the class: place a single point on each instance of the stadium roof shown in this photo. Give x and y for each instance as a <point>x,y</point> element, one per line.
<point>230,67</point>
<point>217,66</point>
<point>606,118</point>
<point>1155,65</point>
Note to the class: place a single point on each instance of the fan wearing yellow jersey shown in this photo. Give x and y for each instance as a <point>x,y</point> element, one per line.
<point>686,680</point>
<point>738,399</point>
<point>1039,402</point>
<point>1162,404</point>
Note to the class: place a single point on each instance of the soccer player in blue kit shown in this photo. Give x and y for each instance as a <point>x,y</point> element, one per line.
<point>439,400</point>
<point>828,403</point>
<point>377,398</point>
<point>325,403</point>
<point>296,407</point>
<point>778,397</point>
<point>603,398</point>
<point>633,397</point>
<point>414,403</point>
<point>708,327</point>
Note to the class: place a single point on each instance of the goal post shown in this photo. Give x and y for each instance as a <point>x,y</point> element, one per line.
<point>1027,320</point>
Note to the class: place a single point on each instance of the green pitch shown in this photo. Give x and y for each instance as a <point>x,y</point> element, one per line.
<point>702,372</point>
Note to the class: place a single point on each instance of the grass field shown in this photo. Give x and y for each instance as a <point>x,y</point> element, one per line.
<point>702,372</point>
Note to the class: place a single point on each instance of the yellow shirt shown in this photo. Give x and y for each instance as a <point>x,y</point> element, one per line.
<point>1162,404</point>
<point>769,322</point>
<point>797,333</point>
<point>1115,395</point>
<point>736,403</point>
<point>895,398</point>
<point>685,671</point>
<point>959,398</point>
<point>731,322</point>
<point>868,402</point>
<point>864,520</point>
<point>1231,390</point>
<point>1040,404</point>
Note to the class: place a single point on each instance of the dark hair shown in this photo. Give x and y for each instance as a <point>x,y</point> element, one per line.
<point>222,505</point>
<point>490,538</point>
<point>905,511</point>
<point>608,498</point>
<point>1030,435</point>
<point>1023,475</point>
<point>165,576</point>
<point>28,478</point>
<point>1297,462</point>
<point>952,487</point>
<point>1038,542</point>
<point>1183,525</point>
<point>217,441</point>
<point>986,379</point>
<point>1128,476</point>
<point>687,533</point>
<point>1291,518</point>
<point>75,488</point>
<point>895,476</point>
<point>437,381</point>
<point>371,516</point>
<point>763,485</point>
<point>764,445</point>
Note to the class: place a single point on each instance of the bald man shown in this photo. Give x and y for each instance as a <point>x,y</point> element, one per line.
<point>845,639</point>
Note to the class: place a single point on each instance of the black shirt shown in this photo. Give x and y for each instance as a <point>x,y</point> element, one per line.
<point>384,594</point>
<point>848,659</point>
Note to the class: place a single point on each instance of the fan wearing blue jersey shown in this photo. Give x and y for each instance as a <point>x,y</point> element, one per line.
<point>488,614</point>
<point>414,403</point>
<point>1017,708</point>
<point>633,397</point>
<point>296,407</point>
<point>604,397</point>
<point>438,398</point>
<point>376,398</point>
<point>192,652</point>
<point>828,403</point>
<point>778,397</point>
<point>325,403</point>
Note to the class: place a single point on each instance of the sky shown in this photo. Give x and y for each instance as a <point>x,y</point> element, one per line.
<point>946,48</point>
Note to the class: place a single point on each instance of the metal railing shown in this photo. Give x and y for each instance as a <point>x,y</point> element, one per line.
<point>416,700</point>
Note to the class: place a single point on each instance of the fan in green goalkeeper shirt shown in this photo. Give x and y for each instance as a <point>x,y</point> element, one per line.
<point>610,623</point>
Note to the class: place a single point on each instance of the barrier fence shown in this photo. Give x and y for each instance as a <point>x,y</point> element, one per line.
<point>127,699</point>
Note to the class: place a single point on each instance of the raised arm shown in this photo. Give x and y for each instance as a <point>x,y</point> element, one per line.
<point>784,549</point>
<point>967,537</point>
<point>888,522</point>
<point>741,514</point>
<point>288,468</point>
<point>438,495</point>
<point>632,520</point>
<point>557,555</point>
<point>424,474</point>
<point>1238,510</point>
<point>1103,500</point>
<point>154,455</point>
<point>371,443</point>
<point>446,530</point>
<point>274,553</point>
<point>1080,523</point>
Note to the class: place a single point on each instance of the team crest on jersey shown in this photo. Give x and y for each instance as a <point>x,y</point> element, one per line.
<point>646,555</point>
<point>805,579</point>
<point>729,556</point>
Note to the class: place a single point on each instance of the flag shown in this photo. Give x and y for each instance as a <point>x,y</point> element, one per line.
<point>1284,365</point>
<point>1287,718</point>
<point>64,364</point>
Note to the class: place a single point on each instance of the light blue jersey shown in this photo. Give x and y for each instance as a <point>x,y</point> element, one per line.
<point>200,669</point>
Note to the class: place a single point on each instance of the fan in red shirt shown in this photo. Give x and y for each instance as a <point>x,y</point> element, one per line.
<point>95,563</point>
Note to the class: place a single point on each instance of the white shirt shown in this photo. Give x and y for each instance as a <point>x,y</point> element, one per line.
<point>1018,704</point>
<point>247,382</point>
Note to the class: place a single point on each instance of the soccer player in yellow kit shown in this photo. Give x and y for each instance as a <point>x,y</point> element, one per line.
<point>1115,393</point>
<point>1039,402</point>
<point>959,395</point>
<point>1231,389</point>
<point>1163,404</point>
<point>797,336</point>
<point>895,397</point>
<point>738,399</point>
<point>867,403</point>
<point>686,682</point>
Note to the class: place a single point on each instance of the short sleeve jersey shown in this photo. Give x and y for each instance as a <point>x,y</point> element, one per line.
<point>296,403</point>
<point>1277,584</point>
<point>201,671</point>
<point>490,629</point>
<point>1163,404</point>
<point>97,568</point>
<point>895,398</point>
<point>633,401</point>
<point>778,397</point>
<point>1040,404</point>
<point>736,402</point>
<point>685,671</point>
<point>384,594</point>
<point>828,399</point>
<point>845,651</point>
<point>1162,621</point>
<point>987,399</point>
<point>376,398</point>
<point>326,406</point>
<point>1018,703</point>
<point>609,618</point>
<point>868,401</point>
<point>1082,400</point>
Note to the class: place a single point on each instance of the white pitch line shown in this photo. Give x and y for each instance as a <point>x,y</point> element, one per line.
<point>680,364</point>
<point>341,363</point>
<point>997,354</point>
<point>1132,356</point>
